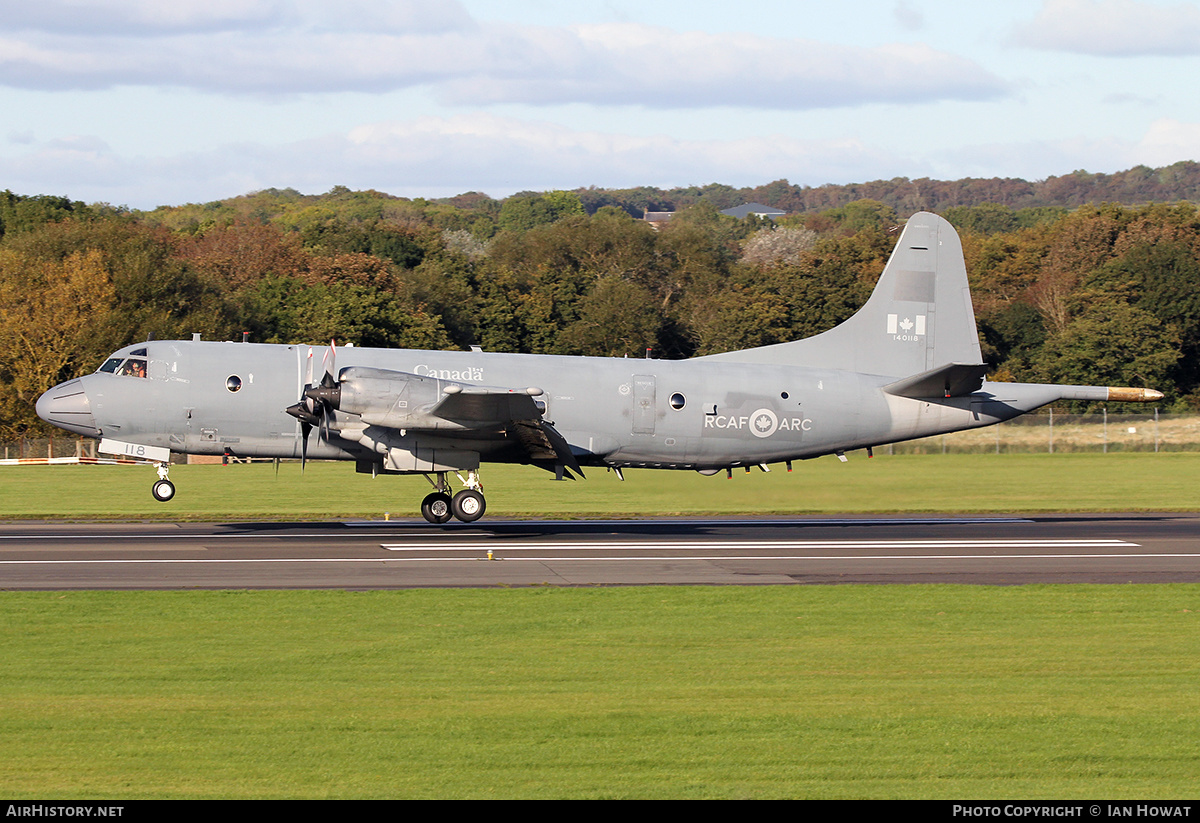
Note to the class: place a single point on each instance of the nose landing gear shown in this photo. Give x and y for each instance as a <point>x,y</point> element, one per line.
<point>468,505</point>
<point>163,489</point>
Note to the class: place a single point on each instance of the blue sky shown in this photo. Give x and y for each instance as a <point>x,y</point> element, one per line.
<point>145,103</point>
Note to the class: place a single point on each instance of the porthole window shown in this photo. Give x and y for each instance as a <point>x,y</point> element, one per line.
<point>677,401</point>
<point>784,395</point>
<point>233,382</point>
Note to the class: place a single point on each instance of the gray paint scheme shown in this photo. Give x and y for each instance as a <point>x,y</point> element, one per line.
<point>907,365</point>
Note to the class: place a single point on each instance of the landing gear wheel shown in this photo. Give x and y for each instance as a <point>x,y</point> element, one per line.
<point>468,505</point>
<point>436,508</point>
<point>163,490</point>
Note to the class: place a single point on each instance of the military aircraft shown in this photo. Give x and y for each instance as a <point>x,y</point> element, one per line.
<point>906,365</point>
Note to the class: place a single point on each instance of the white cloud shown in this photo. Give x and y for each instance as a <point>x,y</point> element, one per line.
<point>502,155</point>
<point>141,18</point>
<point>435,157</point>
<point>138,17</point>
<point>624,63</point>
<point>443,156</point>
<point>468,64</point>
<point>1113,28</point>
<point>1168,141</point>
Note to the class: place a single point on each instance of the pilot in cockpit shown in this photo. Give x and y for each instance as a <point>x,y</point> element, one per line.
<point>135,366</point>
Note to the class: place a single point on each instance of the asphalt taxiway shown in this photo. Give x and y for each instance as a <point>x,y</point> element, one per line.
<point>1134,548</point>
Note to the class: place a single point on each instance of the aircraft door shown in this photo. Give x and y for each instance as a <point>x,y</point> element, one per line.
<point>644,409</point>
<point>170,365</point>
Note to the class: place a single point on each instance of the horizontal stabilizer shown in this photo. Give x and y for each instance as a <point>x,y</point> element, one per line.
<point>953,380</point>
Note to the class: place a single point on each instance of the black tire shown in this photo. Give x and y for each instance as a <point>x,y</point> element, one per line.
<point>436,508</point>
<point>468,505</point>
<point>163,490</point>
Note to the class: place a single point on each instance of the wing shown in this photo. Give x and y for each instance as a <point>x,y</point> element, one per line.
<point>413,402</point>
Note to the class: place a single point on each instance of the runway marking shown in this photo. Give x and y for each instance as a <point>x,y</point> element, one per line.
<point>608,559</point>
<point>408,551</point>
<point>757,544</point>
<point>666,550</point>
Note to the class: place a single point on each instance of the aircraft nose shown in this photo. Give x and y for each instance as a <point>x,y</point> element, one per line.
<point>68,407</point>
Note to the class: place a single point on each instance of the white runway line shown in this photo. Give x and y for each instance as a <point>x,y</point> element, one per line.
<point>907,551</point>
<point>672,545</point>
<point>602,559</point>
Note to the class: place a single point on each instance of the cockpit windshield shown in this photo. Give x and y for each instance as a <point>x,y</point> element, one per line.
<point>133,366</point>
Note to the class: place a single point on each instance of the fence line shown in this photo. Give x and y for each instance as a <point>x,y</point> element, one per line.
<point>1054,432</point>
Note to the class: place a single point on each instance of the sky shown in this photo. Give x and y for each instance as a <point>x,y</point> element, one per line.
<point>142,103</point>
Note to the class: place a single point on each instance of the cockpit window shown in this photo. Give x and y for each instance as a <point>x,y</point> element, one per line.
<point>133,367</point>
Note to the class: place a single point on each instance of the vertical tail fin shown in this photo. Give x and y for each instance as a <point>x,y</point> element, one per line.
<point>918,318</point>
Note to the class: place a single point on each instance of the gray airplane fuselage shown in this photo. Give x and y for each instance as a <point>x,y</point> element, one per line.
<point>613,411</point>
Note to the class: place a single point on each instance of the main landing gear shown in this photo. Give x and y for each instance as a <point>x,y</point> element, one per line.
<point>163,489</point>
<point>468,505</point>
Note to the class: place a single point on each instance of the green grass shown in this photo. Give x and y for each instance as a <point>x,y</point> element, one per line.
<point>757,692</point>
<point>842,691</point>
<point>900,483</point>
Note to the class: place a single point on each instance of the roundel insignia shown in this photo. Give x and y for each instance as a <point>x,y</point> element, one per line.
<point>763,423</point>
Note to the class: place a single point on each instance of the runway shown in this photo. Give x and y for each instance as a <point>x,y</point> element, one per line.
<point>1140,548</point>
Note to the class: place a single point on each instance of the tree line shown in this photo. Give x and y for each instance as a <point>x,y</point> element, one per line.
<point>1098,294</point>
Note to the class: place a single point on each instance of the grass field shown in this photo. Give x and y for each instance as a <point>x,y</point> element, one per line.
<point>685,692</point>
<point>897,483</point>
<point>836,691</point>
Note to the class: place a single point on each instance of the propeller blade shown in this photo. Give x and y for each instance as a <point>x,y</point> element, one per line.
<point>317,401</point>
<point>308,382</point>
<point>329,364</point>
<point>305,428</point>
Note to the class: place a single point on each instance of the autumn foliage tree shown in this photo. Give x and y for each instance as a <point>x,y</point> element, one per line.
<point>1094,294</point>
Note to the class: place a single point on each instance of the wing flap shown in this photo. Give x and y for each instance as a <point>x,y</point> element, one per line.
<point>545,444</point>
<point>481,407</point>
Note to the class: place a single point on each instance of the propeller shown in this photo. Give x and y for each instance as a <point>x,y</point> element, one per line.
<point>317,401</point>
